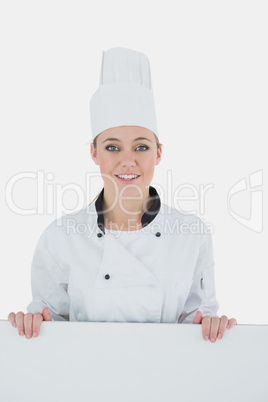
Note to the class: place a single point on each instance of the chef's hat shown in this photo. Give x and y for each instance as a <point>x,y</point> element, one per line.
<point>125,95</point>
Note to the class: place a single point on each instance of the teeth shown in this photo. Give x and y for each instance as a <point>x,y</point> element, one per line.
<point>127,177</point>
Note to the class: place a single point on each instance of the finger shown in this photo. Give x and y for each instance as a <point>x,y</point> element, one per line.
<point>232,323</point>
<point>198,317</point>
<point>46,314</point>
<point>215,322</point>
<point>11,317</point>
<point>206,327</point>
<point>20,322</point>
<point>37,321</point>
<point>28,324</point>
<point>223,326</point>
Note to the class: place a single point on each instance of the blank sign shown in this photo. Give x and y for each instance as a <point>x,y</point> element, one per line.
<point>133,362</point>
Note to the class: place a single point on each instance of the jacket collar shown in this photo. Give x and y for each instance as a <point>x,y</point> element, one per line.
<point>146,218</point>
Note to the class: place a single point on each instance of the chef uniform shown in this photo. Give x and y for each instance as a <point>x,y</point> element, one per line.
<point>163,272</point>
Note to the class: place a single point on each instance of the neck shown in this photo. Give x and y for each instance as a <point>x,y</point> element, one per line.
<point>124,213</point>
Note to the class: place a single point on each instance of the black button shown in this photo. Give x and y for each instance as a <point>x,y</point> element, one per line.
<point>107,276</point>
<point>158,234</point>
<point>99,234</point>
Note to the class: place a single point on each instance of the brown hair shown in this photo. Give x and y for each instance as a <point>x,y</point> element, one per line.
<point>158,144</point>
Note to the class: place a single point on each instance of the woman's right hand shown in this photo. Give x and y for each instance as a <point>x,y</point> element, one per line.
<point>29,324</point>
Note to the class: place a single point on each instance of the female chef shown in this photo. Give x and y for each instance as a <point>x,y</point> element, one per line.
<point>127,257</point>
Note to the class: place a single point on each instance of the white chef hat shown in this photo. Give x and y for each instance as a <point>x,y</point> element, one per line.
<point>125,95</point>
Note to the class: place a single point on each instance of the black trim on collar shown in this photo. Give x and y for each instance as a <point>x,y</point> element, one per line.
<point>146,218</point>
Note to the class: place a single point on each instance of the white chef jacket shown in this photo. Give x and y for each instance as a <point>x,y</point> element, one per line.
<point>163,272</point>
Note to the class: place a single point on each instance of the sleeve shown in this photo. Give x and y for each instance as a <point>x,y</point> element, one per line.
<point>49,285</point>
<point>202,295</point>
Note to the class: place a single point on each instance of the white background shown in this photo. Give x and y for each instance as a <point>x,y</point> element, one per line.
<point>209,73</point>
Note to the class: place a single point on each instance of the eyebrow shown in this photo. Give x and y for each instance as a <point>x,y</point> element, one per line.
<point>136,139</point>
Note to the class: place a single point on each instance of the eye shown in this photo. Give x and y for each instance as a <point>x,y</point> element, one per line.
<point>110,146</point>
<point>143,146</point>
<point>140,146</point>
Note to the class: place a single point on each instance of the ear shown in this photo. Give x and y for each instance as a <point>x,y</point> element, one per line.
<point>93,153</point>
<point>158,157</point>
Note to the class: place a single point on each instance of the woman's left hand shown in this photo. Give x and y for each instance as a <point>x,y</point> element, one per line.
<point>213,327</point>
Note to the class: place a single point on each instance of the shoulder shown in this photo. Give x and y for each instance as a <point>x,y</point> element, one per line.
<point>68,224</point>
<point>188,227</point>
<point>184,218</point>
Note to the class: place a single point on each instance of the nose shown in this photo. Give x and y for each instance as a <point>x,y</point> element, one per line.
<point>127,159</point>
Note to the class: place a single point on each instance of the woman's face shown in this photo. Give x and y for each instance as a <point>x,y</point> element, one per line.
<point>120,150</point>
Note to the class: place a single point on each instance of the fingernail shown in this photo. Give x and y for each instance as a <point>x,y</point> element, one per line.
<point>21,333</point>
<point>35,334</point>
<point>28,336</point>
<point>13,323</point>
<point>212,339</point>
<point>219,336</point>
<point>206,338</point>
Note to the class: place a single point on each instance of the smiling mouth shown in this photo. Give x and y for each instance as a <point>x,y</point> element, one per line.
<point>127,180</point>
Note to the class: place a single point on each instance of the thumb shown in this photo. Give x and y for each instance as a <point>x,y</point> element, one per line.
<point>198,318</point>
<point>46,314</point>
